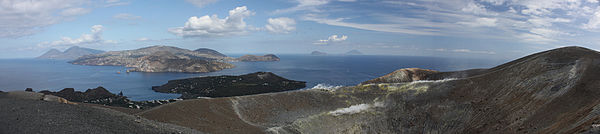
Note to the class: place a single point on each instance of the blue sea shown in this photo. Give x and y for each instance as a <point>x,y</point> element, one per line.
<point>54,75</point>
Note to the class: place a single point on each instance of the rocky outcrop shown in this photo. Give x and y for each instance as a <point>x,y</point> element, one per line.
<point>102,96</point>
<point>404,75</point>
<point>318,53</point>
<point>78,96</point>
<point>69,54</point>
<point>226,86</point>
<point>159,59</point>
<point>251,58</point>
<point>554,91</point>
<point>28,95</point>
<point>417,74</point>
<point>164,61</point>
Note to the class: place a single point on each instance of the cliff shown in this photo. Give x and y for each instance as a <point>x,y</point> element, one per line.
<point>69,54</point>
<point>554,91</point>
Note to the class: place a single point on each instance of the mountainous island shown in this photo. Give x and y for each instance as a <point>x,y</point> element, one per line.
<point>225,86</point>
<point>69,54</point>
<point>210,52</point>
<point>164,61</point>
<point>318,53</point>
<point>353,52</point>
<point>554,91</point>
<point>168,59</point>
<point>253,58</point>
<point>160,59</point>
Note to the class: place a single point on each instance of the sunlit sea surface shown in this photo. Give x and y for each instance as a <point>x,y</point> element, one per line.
<point>54,75</point>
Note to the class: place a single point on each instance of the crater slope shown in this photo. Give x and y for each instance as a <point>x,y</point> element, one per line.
<point>555,91</point>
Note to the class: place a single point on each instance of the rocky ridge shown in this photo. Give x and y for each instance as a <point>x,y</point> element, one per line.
<point>101,96</point>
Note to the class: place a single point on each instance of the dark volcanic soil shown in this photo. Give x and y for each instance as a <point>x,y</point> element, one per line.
<point>41,117</point>
<point>555,91</point>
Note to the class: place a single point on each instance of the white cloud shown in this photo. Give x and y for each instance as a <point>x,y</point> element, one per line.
<point>593,22</point>
<point>201,3</point>
<point>495,2</point>
<point>474,8</point>
<point>126,16</point>
<point>75,11</point>
<point>332,39</point>
<point>142,39</point>
<point>94,38</point>
<point>390,27</point>
<point>545,22</point>
<point>112,3</point>
<point>548,32</point>
<point>26,17</point>
<point>210,26</point>
<point>535,38</point>
<point>462,51</point>
<point>335,38</point>
<point>528,21</point>
<point>311,5</point>
<point>546,7</point>
<point>280,25</point>
<point>481,22</point>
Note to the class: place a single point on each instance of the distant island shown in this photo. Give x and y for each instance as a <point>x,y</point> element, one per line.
<point>353,52</point>
<point>168,59</point>
<point>164,61</point>
<point>210,51</point>
<point>251,58</point>
<point>226,86</point>
<point>318,53</point>
<point>69,54</point>
<point>160,59</point>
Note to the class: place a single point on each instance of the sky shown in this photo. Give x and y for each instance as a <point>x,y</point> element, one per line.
<point>496,29</point>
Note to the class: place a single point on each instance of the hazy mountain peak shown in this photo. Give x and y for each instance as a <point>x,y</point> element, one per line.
<point>71,53</point>
<point>354,52</point>
<point>318,53</point>
<point>210,51</point>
